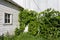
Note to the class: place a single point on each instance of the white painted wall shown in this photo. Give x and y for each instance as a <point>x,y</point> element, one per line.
<point>6,7</point>
<point>42,4</point>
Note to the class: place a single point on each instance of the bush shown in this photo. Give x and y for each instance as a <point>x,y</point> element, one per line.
<point>46,23</point>
<point>2,37</point>
<point>17,32</point>
<point>9,37</point>
<point>33,28</point>
<point>49,24</point>
<point>28,18</point>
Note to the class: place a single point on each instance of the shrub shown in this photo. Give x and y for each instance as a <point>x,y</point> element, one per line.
<point>28,18</point>
<point>17,32</point>
<point>46,23</point>
<point>9,37</point>
<point>49,24</point>
<point>2,37</point>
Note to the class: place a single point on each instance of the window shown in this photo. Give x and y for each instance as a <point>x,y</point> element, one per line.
<point>7,18</point>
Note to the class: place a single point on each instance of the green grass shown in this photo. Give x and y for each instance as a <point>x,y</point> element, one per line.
<point>26,36</point>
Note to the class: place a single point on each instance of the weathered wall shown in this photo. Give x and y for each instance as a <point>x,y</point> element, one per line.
<point>6,7</point>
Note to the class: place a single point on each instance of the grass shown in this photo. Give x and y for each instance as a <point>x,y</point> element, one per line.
<point>25,36</point>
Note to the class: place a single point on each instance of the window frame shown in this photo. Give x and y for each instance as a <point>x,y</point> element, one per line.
<point>11,20</point>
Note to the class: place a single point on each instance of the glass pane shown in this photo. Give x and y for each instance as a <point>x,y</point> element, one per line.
<point>8,16</point>
<point>8,20</point>
<point>5,20</point>
<point>5,16</point>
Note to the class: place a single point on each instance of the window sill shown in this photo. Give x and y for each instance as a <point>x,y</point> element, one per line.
<point>7,23</point>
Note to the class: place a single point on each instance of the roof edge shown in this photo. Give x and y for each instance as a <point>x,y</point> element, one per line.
<point>14,3</point>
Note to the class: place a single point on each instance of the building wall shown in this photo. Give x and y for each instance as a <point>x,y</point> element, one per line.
<point>6,7</point>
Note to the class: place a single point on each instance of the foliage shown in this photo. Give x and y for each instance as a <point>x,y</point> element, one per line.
<point>49,24</point>
<point>9,37</point>
<point>28,18</point>
<point>33,27</point>
<point>17,32</point>
<point>2,37</point>
<point>25,36</point>
<point>46,23</point>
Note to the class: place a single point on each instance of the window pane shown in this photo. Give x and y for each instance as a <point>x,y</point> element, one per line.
<point>8,16</point>
<point>8,20</point>
<point>5,16</point>
<point>5,20</point>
